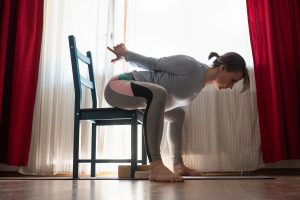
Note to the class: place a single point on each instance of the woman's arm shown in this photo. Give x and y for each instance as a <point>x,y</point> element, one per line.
<point>179,64</point>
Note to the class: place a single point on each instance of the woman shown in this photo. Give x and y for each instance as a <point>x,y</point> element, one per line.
<point>168,84</point>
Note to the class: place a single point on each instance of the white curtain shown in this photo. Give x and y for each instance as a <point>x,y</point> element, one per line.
<point>95,26</point>
<point>221,130</point>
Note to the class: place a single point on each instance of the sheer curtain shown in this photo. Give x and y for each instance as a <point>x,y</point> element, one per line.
<point>221,130</point>
<point>94,24</point>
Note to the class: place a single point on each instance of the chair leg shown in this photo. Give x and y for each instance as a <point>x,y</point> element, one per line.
<point>93,150</point>
<point>134,124</point>
<point>144,154</point>
<point>76,148</point>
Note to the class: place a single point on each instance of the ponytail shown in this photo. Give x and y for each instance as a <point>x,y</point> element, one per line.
<point>213,54</point>
<point>217,61</point>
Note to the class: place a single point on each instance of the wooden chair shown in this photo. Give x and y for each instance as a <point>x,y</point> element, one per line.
<point>99,116</point>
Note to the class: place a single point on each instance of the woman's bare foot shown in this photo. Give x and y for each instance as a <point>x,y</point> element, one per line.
<point>183,170</point>
<point>159,172</point>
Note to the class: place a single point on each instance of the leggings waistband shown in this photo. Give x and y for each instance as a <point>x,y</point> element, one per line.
<point>126,76</point>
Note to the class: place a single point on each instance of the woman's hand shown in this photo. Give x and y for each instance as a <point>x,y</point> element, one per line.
<point>119,50</point>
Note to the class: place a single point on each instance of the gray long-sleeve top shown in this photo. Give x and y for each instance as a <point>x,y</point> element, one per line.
<point>182,76</point>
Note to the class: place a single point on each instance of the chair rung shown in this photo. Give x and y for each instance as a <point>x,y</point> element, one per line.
<point>107,161</point>
<point>83,57</point>
<point>114,122</point>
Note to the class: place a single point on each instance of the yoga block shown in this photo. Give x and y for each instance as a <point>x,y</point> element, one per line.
<point>124,170</point>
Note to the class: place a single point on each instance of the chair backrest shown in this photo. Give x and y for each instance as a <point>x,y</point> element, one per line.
<point>79,80</point>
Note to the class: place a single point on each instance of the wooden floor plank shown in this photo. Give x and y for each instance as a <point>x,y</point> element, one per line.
<point>282,187</point>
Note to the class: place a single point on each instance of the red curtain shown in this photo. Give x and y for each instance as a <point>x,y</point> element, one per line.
<point>275,39</point>
<point>21,25</point>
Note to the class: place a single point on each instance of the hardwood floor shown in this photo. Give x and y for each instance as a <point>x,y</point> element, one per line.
<point>282,187</point>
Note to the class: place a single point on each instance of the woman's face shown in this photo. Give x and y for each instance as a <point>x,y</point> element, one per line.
<point>226,79</point>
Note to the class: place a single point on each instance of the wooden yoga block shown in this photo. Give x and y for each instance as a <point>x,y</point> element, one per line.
<point>124,171</point>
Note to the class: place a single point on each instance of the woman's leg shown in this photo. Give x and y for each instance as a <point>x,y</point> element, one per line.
<point>175,118</point>
<point>133,95</point>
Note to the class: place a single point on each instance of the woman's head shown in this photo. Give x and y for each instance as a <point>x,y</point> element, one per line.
<point>232,68</point>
